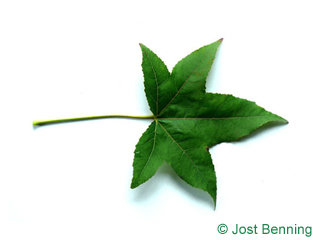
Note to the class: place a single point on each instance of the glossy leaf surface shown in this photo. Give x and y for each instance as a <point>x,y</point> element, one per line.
<point>188,120</point>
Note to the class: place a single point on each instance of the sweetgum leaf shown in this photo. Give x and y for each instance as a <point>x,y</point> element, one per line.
<point>187,120</point>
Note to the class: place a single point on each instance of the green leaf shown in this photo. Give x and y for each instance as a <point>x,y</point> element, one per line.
<point>187,120</point>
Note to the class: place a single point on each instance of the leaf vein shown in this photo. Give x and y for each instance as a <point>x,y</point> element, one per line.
<point>153,147</point>
<point>156,80</point>
<point>195,166</point>
<point>182,86</point>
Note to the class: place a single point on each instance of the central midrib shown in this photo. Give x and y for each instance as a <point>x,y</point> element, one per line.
<point>195,118</point>
<point>156,80</point>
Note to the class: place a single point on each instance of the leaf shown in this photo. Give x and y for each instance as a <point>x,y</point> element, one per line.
<point>187,120</point>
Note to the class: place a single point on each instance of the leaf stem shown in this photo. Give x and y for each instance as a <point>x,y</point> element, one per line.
<point>53,121</point>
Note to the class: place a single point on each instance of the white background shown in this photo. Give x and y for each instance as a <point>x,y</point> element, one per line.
<point>63,59</point>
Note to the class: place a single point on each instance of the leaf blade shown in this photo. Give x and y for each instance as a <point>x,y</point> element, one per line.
<point>188,120</point>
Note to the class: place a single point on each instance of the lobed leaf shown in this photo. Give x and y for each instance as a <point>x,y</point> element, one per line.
<point>188,120</point>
